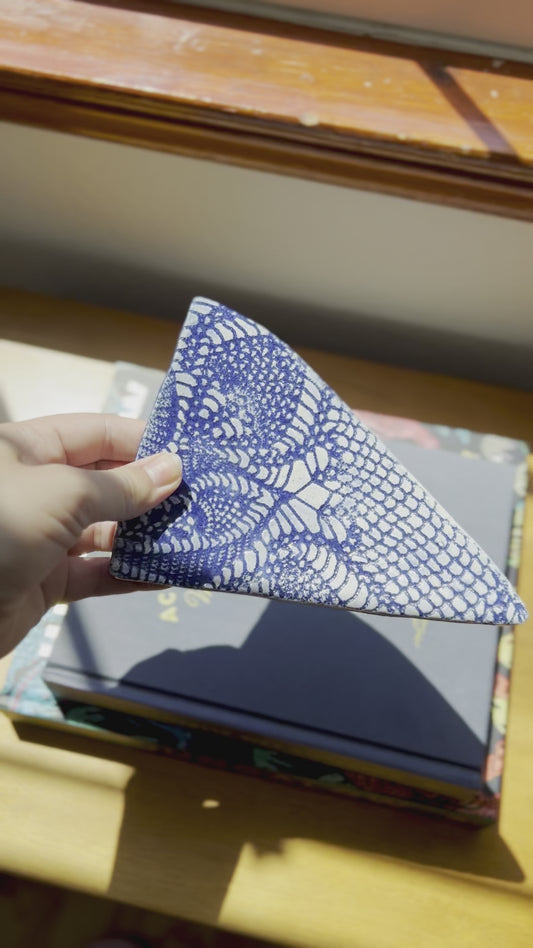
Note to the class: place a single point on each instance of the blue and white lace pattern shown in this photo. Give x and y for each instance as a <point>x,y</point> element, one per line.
<point>287,495</point>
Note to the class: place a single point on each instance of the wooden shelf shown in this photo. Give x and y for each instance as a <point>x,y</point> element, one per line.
<point>419,123</point>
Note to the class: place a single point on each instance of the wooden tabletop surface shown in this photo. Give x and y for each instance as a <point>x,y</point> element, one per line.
<point>301,868</point>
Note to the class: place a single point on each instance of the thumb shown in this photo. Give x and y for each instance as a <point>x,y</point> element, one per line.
<point>130,490</point>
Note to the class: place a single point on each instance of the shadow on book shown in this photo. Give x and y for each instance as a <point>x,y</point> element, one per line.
<point>285,670</point>
<point>312,679</point>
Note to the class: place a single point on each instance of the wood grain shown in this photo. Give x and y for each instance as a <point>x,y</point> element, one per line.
<point>33,913</point>
<point>420,123</point>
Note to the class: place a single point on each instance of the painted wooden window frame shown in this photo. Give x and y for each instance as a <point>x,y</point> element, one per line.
<point>414,122</point>
<point>505,26</point>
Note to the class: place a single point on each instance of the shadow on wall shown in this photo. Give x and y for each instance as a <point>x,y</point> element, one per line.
<point>4,413</point>
<point>103,282</point>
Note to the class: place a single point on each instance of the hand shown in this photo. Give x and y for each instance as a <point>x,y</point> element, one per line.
<point>65,480</point>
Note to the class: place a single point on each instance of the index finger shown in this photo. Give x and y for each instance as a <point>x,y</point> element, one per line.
<point>74,439</point>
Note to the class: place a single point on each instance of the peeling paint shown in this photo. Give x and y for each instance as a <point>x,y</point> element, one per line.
<point>309,119</point>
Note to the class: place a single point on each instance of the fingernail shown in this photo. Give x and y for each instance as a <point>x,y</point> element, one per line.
<point>163,469</point>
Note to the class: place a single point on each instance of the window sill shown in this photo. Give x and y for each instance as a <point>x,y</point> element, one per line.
<point>423,124</point>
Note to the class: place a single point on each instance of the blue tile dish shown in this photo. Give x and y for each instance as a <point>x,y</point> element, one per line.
<point>287,495</point>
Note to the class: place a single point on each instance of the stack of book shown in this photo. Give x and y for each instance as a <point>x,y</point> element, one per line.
<point>400,711</point>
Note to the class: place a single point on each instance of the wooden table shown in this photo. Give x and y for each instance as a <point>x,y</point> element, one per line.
<point>297,867</point>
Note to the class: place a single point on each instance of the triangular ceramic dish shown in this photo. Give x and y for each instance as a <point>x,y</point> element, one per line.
<point>286,494</point>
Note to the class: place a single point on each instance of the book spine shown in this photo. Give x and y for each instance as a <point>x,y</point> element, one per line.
<point>236,755</point>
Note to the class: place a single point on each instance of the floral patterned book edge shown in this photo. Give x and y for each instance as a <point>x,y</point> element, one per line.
<point>26,697</point>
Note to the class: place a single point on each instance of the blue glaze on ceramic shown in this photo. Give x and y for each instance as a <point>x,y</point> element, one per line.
<point>287,495</point>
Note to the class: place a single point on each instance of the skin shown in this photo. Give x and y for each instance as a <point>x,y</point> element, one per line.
<point>65,480</point>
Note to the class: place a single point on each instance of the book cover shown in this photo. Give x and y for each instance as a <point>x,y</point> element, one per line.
<point>396,710</point>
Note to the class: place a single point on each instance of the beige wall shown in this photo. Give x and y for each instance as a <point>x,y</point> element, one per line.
<point>336,267</point>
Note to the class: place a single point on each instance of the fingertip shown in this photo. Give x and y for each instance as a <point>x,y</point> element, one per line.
<point>163,469</point>
<point>132,489</point>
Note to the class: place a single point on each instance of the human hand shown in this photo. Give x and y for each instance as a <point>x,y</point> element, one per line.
<point>65,481</point>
